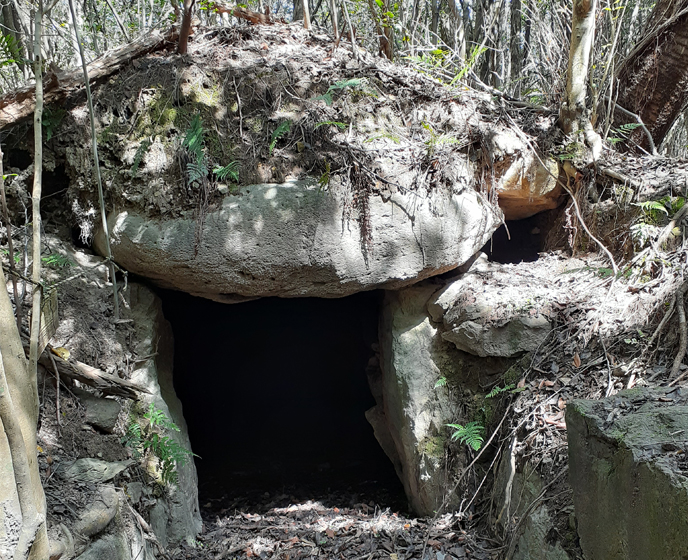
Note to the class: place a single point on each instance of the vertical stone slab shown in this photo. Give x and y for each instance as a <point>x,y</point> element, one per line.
<point>178,518</point>
<point>415,412</point>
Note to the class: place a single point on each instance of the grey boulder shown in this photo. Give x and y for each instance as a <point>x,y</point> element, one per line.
<point>296,240</point>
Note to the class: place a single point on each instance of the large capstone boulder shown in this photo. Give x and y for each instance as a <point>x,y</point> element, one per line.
<point>296,240</point>
<point>629,474</point>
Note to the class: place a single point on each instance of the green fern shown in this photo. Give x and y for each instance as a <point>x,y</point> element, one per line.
<point>328,98</point>
<point>56,261</point>
<point>470,434</point>
<point>193,140</point>
<point>138,156</point>
<point>497,390</point>
<point>230,170</point>
<point>622,133</point>
<point>441,382</point>
<point>52,118</point>
<point>339,125</point>
<point>9,51</point>
<point>280,131</point>
<point>386,135</point>
<point>144,437</point>
<point>324,180</point>
<point>197,167</point>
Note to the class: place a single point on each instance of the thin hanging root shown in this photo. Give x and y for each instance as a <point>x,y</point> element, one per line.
<point>683,333</point>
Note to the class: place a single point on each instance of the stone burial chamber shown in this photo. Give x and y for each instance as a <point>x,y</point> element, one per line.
<point>275,393</point>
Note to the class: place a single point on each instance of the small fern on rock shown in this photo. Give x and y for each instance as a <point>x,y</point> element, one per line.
<point>471,434</point>
<point>145,437</point>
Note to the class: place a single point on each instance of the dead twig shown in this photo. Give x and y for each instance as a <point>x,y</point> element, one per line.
<point>57,391</point>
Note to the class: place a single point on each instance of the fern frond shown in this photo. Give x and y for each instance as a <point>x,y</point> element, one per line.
<point>470,434</point>
<point>196,171</point>
<point>339,125</point>
<point>230,170</point>
<point>497,390</point>
<point>441,382</point>
<point>138,156</point>
<point>280,131</point>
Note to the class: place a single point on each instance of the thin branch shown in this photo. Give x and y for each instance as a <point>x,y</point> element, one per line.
<point>118,20</point>
<point>637,118</point>
<point>94,146</point>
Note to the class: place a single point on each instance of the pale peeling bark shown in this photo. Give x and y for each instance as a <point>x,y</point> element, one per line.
<point>574,116</point>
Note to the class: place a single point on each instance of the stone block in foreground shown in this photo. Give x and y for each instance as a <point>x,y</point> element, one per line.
<point>629,474</point>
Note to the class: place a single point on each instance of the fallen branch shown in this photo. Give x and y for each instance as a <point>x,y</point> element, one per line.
<point>93,377</point>
<point>19,104</point>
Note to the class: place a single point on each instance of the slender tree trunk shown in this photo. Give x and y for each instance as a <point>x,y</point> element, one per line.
<point>96,164</point>
<point>381,30</point>
<point>333,16</point>
<point>653,79</point>
<point>10,243</point>
<point>19,465</point>
<point>435,23</point>
<point>185,29</point>
<point>19,407</point>
<point>306,15</point>
<point>574,115</point>
<point>515,47</point>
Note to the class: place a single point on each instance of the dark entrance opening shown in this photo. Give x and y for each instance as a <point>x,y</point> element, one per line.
<point>516,241</point>
<point>274,394</point>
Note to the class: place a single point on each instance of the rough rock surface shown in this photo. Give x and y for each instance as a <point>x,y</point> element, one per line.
<point>294,240</point>
<point>414,411</point>
<point>100,412</point>
<point>176,514</point>
<point>484,321</point>
<point>108,547</point>
<point>525,182</point>
<point>515,491</point>
<point>99,513</point>
<point>629,474</point>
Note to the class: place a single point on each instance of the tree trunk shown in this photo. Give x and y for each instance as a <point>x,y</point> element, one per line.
<point>574,115</point>
<point>18,380</point>
<point>653,80</point>
<point>185,29</point>
<point>381,30</point>
<point>515,47</point>
<point>298,10</point>
<point>306,14</point>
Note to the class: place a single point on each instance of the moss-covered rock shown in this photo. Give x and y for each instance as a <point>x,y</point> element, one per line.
<point>629,474</point>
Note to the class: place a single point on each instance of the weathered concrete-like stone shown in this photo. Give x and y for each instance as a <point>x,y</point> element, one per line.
<point>294,240</point>
<point>489,312</point>
<point>176,515</point>
<point>95,470</point>
<point>415,413</point>
<point>100,412</point>
<point>526,183</point>
<point>99,513</point>
<point>629,474</point>
<point>522,334</point>
<point>108,547</point>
